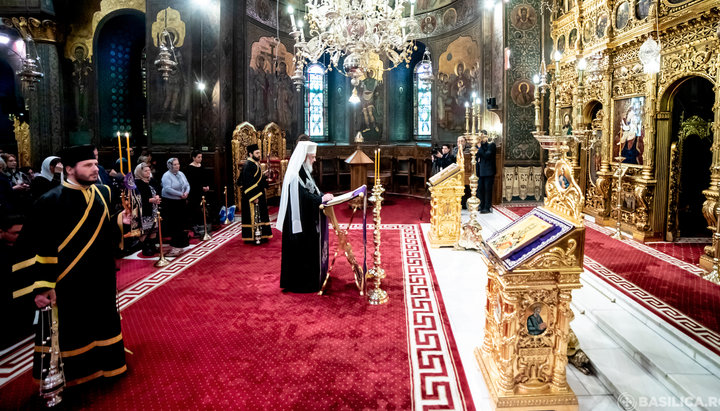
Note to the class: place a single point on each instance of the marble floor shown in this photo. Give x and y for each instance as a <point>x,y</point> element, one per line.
<point>639,364</point>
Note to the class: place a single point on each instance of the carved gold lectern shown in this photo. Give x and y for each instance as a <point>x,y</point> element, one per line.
<point>533,266</point>
<point>446,189</point>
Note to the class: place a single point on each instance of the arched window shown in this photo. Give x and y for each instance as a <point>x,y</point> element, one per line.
<point>423,100</point>
<point>315,102</point>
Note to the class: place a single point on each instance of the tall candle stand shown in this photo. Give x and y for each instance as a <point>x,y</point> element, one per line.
<point>714,275</point>
<point>206,236</point>
<point>227,220</point>
<point>376,295</point>
<point>620,173</point>
<point>162,261</point>
<point>470,237</point>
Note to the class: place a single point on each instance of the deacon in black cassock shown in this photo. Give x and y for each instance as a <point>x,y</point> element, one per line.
<point>299,220</point>
<point>65,257</point>
<point>252,182</point>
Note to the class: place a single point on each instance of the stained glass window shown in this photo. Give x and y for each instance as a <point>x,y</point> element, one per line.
<point>423,100</point>
<point>315,102</point>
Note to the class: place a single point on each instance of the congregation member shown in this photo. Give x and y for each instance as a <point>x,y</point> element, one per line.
<point>6,191</point>
<point>199,181</point>
<point>175,191</point>
<point>19,181</point>
<point>442,159</point>
<point>149,200</point>
<point>253,183</point>
<point>17,314</point>
<point>51,176</point>
<point>64,257</point>
<point>299,219</point>
<point>485,170</point>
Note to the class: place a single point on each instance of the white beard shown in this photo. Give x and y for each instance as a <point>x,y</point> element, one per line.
<point>307,165</point>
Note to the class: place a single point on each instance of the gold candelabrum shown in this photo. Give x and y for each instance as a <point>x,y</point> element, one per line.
<point>714,275</point>
<point>470,237</point>
<point>162,261</point>
<point>376,295</point>
<point>206,236</point>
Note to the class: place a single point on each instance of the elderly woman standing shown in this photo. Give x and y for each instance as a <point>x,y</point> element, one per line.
<point>51,176</point>
<point>149,200</point>
<point>175,190</point>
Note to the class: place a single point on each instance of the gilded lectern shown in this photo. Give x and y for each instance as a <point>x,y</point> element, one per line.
<point>446,190</point>
<point>533,265</point>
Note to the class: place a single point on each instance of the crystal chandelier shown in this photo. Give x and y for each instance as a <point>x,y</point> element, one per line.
<point>649,55</point>
<point>360,30</point>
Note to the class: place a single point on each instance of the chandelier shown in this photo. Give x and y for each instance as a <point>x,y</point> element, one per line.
<point>360,30</point>
<point>30,73</point>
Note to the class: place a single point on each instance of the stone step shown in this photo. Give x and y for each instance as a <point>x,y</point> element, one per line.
<point>646,346</point>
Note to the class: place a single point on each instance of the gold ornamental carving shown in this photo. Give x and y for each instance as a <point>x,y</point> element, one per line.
<point>562,193</point>
<point>39,30</point>
<point>243,136</point>
<point>557,257</point>
<point>446,190</point>
<point>523,356</point>
<point>169,19</point>
<point>22,136</point>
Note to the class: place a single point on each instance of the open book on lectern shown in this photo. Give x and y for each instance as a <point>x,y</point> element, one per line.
<point>360,191</point>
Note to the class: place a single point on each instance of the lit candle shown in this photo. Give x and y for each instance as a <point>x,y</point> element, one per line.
<point>378,166</point>
<point>127,140</point>
<point>120,152</point>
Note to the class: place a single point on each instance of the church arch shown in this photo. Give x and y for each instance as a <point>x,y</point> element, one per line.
<point>684,160</point>
<point>118,49</point>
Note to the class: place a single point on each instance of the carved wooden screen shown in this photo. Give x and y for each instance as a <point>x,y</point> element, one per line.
<point>244,135</point>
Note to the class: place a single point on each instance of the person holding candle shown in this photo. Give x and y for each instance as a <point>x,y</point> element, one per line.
<point>175,191</point>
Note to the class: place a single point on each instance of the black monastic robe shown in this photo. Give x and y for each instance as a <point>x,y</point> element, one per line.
<point>67,244</point>
<point>253,185</point>
<point>301,269</point>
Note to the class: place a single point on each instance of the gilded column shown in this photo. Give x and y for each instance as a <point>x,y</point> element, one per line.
<point>607,148</point>
<point>715,168</point>
<point>649,151</point>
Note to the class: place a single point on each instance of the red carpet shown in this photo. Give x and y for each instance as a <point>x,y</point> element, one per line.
<point>668,287</point>
<point>221,335</point>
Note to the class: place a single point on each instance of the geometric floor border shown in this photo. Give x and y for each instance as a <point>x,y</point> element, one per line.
<point>16,360</point>
<point>435,380</point>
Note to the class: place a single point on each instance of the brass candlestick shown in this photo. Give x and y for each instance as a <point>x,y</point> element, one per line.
<point>376,295</point>
<point>162,261</point>
<point>227,220</point>
<point>714,275</point>
<point>206,236</point>
<point>620,173</point>
<point>470,237</point>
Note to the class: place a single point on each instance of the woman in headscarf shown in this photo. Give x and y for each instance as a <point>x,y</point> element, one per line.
<point>175,190</point>
<point>149,200</point>
<point>51,176</point>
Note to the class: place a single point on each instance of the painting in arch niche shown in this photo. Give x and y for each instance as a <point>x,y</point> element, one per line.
<point>271,93</point>
<point>628,130</point>
<point>458,74</point>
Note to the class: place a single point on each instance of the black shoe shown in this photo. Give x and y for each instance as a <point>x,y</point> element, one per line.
<point>484,211</point>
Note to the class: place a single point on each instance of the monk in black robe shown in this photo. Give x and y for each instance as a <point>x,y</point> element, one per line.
<point>300,222</point>
<point>252,182</point>
<point>65,257</point>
